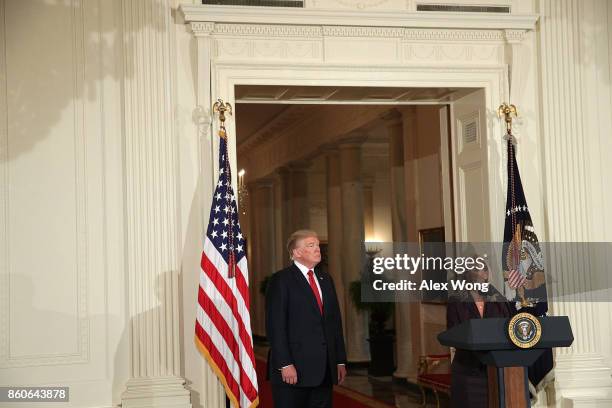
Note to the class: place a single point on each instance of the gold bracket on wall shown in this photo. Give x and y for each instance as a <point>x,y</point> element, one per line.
<point>222,108</point>
<point>507,111</point>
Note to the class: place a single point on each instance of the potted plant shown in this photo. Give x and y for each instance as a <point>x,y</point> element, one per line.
<point>381,340</point>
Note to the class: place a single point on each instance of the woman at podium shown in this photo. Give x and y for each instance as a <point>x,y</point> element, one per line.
<point>468,375</point>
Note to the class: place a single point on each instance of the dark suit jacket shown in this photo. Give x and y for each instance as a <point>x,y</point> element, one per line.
<point>298,333</point>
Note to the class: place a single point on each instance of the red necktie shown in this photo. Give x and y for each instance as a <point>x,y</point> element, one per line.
<point>315,290</point>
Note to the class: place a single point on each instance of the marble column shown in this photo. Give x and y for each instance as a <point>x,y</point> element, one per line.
<point>405,361</point>
<point>300,207</point>
<point>368,209</point>
<point>575,184</point>
<point>409,128</point>
<point>152,216</point>
<point>411,312</point>
<point>280,239</point>
<point>334,229</point>
<point>284,179</point>
<point>353,248</point>
<point>263,255</point>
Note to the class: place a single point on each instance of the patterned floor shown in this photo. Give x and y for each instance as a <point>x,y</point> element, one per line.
<point>384,390</point>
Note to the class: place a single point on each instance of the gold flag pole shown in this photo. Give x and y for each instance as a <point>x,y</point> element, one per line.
<point>509,112</point>
<point>223,108</point>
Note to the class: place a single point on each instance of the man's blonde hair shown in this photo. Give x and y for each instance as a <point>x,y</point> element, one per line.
<point>298,236</point>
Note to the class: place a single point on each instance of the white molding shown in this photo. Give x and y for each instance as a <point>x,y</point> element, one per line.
<point>4,192</point>
<point>435,34</point>
<point>156,392</point>
<point>228,75</point>
<point>264,31</point>
<point>311,44</point>
<point>514,36</point>
<point>81,354</point>
<point>271,30</point>
<point>201,28</point>
<point>88,113</point>
<point>361,31</point>
<point>369,18</point>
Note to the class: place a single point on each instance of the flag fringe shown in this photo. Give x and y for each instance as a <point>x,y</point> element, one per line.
<point>220,375</point>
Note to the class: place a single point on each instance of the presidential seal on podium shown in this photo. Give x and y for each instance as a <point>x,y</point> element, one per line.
<point>524,330</point>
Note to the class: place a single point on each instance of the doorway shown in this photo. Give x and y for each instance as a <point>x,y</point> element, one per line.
<point>422,166</point>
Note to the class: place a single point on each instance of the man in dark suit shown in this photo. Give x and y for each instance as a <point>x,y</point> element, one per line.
<point>304,328</point>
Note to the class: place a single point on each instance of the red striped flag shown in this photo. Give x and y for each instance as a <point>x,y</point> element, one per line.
<point>223,324</point>
<point>516,279</point>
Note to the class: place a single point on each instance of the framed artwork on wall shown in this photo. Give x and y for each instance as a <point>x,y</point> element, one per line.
<point>431,244</point>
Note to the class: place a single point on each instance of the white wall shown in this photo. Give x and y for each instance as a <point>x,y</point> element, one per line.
<point>62,285</point>
<point>64,290</point>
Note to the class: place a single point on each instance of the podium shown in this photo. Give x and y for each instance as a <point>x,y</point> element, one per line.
<point>507,363</point>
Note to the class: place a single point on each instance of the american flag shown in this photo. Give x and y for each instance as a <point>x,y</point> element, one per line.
<point>223,324</point>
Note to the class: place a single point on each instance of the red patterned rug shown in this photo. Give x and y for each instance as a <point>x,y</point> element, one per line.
<point>343,397</point>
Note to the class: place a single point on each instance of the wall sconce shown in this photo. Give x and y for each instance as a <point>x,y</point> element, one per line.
<point>243,192</point>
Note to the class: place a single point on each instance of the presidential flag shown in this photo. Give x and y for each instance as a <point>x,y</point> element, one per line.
<point>223,325</point>
<point>523,265</point>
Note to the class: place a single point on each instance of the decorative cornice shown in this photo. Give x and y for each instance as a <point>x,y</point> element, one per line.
<point>270,30</point>
<point>202,28</point>
<point>310,32</point>
<point>344,31</point>
<point>453,35</point>
<point>357,18</point>
<point>514,36</point>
